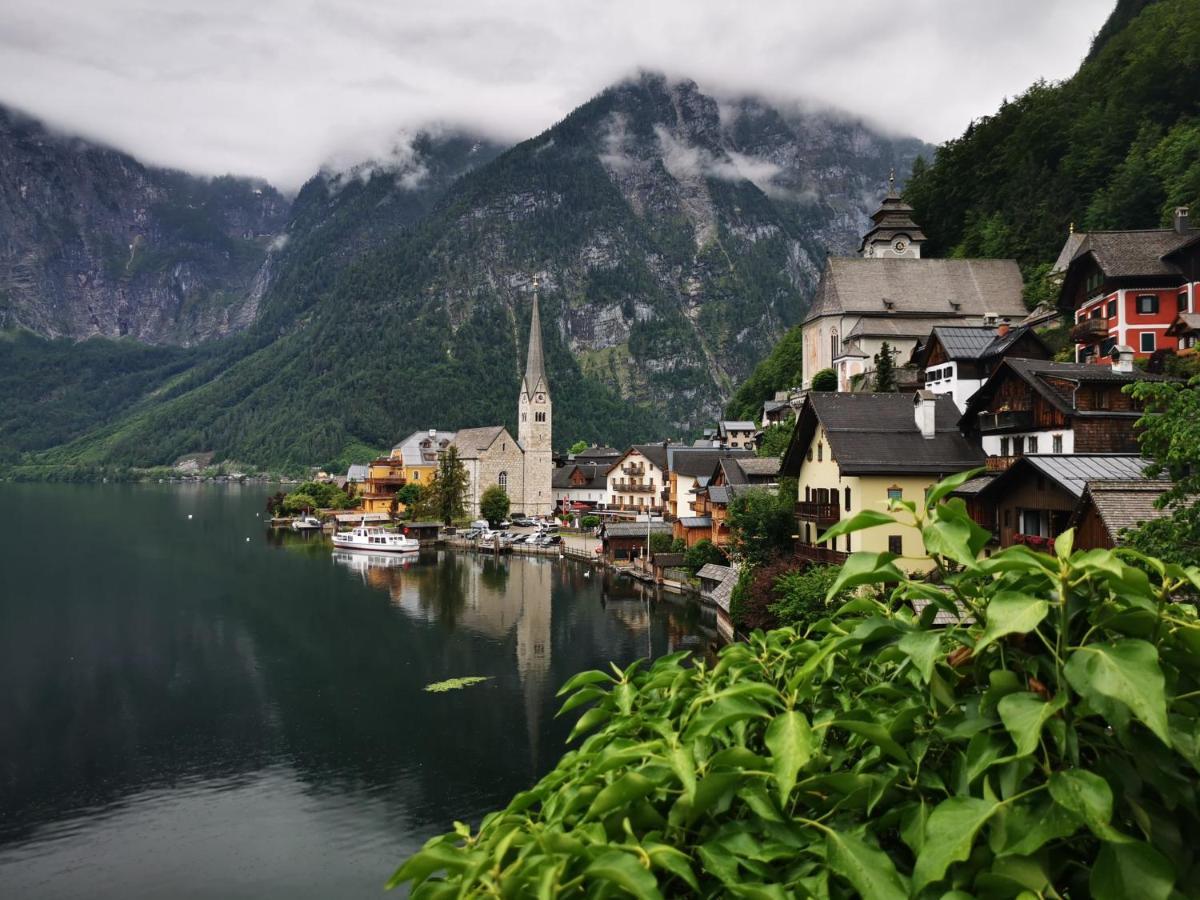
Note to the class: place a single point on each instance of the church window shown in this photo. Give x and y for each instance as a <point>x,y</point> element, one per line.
<point>833,345</point>
<point>524,417</point>
<point>502,480</point>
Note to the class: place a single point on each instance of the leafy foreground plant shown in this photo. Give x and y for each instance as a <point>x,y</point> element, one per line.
<point>1044,746</point>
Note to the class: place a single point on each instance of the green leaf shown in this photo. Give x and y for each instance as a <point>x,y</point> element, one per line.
<point>949,836</point>
<point>1010,612</point>
<point>710,791</point>
<point>864,568</point>
<point>867,868</point>
<point>1024,714</point>
<point>624,870</point>
<point>1089,797</point>
<point>580,697</point>
<point>922,648</point>
<point>876,734</point>
<point>588,721</point>
<point>1126,672</point>
<point>1028,825</point>
<point>629,787</point>
<point>951,538</point>
<point>684,767</point>
<point>868,518</point>
<point>790,741</point>
<point>722,714</point>
<point>584,678</point>
<point>674,861</point>
<point>946,485</point>
<point>1064,544</point>
<point>1137,870</point>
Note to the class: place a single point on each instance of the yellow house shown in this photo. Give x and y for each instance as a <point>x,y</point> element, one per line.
<point>851,452</point>
<point>385,476</point>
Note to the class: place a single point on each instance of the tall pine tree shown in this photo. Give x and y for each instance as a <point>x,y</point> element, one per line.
<point>885,369</point>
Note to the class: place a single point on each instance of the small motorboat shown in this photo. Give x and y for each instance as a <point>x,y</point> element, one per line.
<point>375,539</point>
<point>306,523</point>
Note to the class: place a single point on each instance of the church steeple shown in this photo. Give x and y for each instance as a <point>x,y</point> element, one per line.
<point>893,232</point>
<point>535,366</point>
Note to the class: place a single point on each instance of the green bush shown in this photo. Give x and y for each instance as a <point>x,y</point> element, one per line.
<point>315,495</point>
<point>701,554</point>
<point>590,521</point>
<point>825,380</point>
<point>1046,744</point>
<point>494,504</point>
<point>661,543</point>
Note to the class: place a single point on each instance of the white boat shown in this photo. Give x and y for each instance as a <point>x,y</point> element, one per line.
<point>375,539</point>
<point>306,523</point>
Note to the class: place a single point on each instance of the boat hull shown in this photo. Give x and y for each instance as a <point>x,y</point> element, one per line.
<point>413,547</point>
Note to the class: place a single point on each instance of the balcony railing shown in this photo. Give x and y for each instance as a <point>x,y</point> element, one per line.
<point>393,480</point>
<point>823,555</point>
<point>666,493</point>
<point>1090,331</point>
<point>1000,463</point>
<point>1006,420</point>
<point>813,511</point>
<point>630,487</point>
<point>634,468</point>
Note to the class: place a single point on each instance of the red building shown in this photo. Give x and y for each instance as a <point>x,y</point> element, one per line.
<point>1127,287</point>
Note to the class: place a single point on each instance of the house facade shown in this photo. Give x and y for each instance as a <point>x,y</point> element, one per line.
<point>890,294</point>
<point>852,452</point>
<point>1039,406</point>
<point>579,486</point>
<point>1128,287</point>
<point>957,360</point>
<point>736,434</point>
<point>419,454</point>
<point>638,482</point>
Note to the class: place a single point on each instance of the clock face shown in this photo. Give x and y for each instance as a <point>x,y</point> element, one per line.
<point>899,245</point>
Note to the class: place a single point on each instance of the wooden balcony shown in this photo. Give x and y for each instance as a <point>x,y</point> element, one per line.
<point>812,511</point>
<point>634,468</point>
<point>1005,420</point>
<point>821,555</point>
<point>389,480</point>
<point>630,487</point>
<point>1090,331</point>
<point>1000,463</point>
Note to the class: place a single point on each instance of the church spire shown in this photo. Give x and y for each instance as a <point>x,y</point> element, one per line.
<point>535,366</point>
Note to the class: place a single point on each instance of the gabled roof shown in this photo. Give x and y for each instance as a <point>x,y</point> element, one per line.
<point>1072,472</point>
<point>636,529</point>
<point>1122,504</point>
<point>596,475</point>
<point>971,342</point>
<point>658,454</point>
<point>877,434</point>
<point>606,453</point>
<point>412,453</point>
<point>470,442</point>
<point>1184,324</point>
<point>695,463</point>
<point>358,472</point>
<point>736,425</point>
<point>695,521</point>
<point>713,572</point>
<point>1040,373</point>
<point>1133,253</point>
<point>919,287</point>
<point>760,466</point>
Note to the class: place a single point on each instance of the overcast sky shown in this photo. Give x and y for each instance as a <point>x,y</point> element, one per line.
<point>276,88</point>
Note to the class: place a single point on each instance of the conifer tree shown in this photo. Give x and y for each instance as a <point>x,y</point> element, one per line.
<point>885,369</point>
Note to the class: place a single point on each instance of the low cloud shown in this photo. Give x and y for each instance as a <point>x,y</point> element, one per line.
<point>685,161</point>
<point>277,88</point>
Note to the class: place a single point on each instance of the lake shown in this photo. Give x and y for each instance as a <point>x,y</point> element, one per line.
<point>193,706</point>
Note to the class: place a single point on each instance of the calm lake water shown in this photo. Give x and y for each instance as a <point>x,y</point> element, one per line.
<point>188,713</point>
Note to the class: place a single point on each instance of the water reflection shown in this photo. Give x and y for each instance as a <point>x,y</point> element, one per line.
<point>257,707</point>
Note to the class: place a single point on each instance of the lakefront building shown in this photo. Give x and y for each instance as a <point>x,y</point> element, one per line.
<point>523,466</point>
<point>889,294</point>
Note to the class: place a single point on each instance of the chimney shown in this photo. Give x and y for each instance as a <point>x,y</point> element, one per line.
<point>924,406</point>
<point>1002,328</point>
<point>990,319</point>
<point>1122,358</point>
<point>1182,221</point>
<point>432,432</point>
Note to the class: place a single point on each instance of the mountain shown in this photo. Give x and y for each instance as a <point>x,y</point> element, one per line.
<point>95,243</point>
<point>1117,145</point>
<point>676,236</point>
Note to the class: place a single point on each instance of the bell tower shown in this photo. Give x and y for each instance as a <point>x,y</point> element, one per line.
<point>893,233</point>
<point>535,417</point>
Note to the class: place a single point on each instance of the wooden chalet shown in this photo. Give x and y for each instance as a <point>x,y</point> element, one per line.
<point>1108,508</point>
<point>958,359</point>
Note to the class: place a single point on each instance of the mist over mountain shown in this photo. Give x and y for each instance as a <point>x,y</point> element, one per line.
<point>676,236</point>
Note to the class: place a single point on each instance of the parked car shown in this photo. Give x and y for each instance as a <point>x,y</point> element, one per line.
<point>520,520</point>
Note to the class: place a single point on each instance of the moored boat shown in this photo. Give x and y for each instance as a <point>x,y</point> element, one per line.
<point>375,539</point>
<point>306,523</point>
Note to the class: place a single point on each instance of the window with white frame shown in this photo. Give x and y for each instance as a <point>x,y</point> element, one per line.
<point>1147,342</point>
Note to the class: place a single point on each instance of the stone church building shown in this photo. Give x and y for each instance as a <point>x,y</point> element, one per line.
<point>524,466</point>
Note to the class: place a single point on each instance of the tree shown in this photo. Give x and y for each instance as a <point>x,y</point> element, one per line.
<point>494,504</point>
<point>578,447</point>
<point>761,524</point>
<point>447,493</point>
<point>1169,435</point>
<point>410,496</point>
<point>775,438</point>
<point>885,369</point>
<point>701,554</point>
<point>1039,743</point>
<point>661,542</point>
<point>826,380</point>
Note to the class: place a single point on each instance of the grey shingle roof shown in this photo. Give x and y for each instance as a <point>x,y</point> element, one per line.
<point>358,473</point>
<point>695,521</point>
<point>1124,504</point>
<point>472,441</point>
<point>414,454</point>
<point>608,453</point>
<point>922,287</point>
<point>1073,472</point>
<point>656,453</point>
<point>737,425</point>
<point>597,476</point>
<point>884,327</point>
<point>694,463</point>
<point>719,493</point>
<point>713,572</point>
<point>668,559</point>
<point>1125,254</point>
<point>877,434</point>
<point>1185,323</point>
<point>760,466</point>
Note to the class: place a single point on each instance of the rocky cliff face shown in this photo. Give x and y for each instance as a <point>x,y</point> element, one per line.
<point>94,243</point>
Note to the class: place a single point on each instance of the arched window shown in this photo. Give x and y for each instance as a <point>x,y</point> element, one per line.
<point>502,480</point>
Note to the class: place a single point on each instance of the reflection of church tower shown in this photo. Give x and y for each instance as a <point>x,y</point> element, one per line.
<point>894,234</point>
<point>534,424</point>
<point>534,586</point>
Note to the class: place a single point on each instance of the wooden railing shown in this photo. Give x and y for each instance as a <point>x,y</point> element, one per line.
<point>1005,420</point>
<point>630,487</point>
<point>817,512</point>
<point>823,555</point>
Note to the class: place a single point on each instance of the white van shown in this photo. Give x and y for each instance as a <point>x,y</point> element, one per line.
<point>481,525</point>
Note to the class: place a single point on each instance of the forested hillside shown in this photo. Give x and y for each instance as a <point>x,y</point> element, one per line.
<point>1115,146</point>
